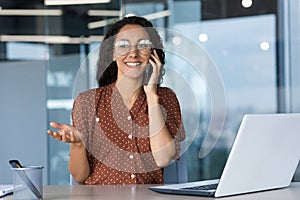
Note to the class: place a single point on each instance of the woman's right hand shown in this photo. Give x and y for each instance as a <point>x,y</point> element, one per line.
<point>66,133</point>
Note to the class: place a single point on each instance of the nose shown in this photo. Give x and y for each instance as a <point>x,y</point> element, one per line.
<point>133,52</point>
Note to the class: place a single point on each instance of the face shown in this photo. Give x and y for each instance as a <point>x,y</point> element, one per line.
<point>132,50</point>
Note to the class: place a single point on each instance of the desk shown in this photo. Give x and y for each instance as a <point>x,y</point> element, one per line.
<point>141,192</point>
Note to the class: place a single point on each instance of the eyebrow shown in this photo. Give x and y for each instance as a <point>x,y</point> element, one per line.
<point>145,41</point>
<point>122,41</point>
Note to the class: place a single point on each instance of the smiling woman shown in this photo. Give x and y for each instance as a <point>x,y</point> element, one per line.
<point>124,132</point>
<point>129,27</point>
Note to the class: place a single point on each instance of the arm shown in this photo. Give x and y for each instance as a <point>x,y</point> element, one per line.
<point>76,135</point>
<point>161,141</point>
<point>78,163</point>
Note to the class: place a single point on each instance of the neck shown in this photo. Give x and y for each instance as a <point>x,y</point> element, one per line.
<point>129,90</point>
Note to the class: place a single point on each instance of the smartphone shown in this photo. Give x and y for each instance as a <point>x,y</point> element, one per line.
<point>147,74</point>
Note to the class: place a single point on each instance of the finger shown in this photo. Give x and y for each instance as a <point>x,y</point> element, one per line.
<point>59,126</point>
<point>152,63</point>
<point>155,53</point>
<point>54,124</point>
<point>57,135</point>
<point>156,64</point>
<point>155,57</point>
<point>53,134</point>
<point>68,136</point>
<point>72,137</point>
<point>154,60</point>
<point>63,136</point>
<point>155,73</point>
<point>50,132</point>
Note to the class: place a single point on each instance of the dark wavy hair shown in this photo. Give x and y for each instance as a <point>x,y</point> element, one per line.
<point>107,69</point>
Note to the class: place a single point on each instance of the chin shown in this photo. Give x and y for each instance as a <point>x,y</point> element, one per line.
<point>133,75</point>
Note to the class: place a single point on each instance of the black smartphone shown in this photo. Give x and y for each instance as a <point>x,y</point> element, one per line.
<point>147,74</point>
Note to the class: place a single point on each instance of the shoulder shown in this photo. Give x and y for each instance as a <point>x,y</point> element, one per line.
<point>166,95</point>
<point>168,99</point>
<point>87,94</point>
<point>165,92</point>
<point>86,98</point>
<point>91,95</point>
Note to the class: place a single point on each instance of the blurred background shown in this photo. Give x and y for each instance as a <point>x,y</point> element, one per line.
<point>49,50</point>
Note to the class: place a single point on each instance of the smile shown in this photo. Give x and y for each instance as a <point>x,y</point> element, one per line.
<point>133,64</point>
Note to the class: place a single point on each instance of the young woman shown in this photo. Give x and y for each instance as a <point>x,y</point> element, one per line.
<point>129,128</point>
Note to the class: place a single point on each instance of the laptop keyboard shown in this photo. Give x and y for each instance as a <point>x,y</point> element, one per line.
<point>202,187</point>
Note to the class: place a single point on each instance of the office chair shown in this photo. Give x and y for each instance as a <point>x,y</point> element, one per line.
<point>176,172</point>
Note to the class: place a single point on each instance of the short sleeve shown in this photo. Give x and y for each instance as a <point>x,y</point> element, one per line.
<point>83,113</point>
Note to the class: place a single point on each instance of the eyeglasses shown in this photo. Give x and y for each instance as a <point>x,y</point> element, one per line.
<point>123,47</point>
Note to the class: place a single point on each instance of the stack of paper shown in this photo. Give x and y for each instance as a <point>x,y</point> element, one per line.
<point>6,189</point>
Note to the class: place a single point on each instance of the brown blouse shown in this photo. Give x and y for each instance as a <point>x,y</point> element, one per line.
<point>117,138</point>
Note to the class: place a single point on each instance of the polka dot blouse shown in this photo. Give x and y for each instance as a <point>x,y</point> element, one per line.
<point>117,139</point>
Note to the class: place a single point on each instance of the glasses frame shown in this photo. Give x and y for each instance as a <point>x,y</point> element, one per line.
<point>136,47</point>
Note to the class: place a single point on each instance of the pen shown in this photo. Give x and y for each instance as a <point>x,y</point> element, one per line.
<point>24,177</point>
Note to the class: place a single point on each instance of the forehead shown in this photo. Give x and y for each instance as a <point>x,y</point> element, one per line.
<point>132,33</point>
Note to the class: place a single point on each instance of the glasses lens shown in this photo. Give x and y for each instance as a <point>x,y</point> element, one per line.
<point>122,47</point>
<point>145,47</point>
<point>122,50</point>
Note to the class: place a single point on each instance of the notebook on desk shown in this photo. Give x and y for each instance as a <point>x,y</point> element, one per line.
<point>6,190</point>
<point>264,156</point>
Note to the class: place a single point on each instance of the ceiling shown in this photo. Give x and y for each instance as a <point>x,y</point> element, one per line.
<point>75,19</point>
<point>216,9</point>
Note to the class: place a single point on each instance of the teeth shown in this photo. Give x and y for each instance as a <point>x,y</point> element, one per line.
<point>133,64</point>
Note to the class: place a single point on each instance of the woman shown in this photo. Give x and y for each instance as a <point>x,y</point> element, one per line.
<point>125,131</point>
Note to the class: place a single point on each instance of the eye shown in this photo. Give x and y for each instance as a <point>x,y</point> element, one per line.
<point>143,44</point>
<point>123,44</point>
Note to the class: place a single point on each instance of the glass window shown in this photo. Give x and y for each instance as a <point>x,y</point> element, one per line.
<point>247,66</point>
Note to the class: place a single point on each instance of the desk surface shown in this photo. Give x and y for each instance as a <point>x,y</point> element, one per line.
<point>117,192</point>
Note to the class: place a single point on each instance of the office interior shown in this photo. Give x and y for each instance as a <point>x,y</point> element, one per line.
<point>48,54</point>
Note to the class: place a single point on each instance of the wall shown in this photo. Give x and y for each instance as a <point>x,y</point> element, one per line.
<point>22,116</point>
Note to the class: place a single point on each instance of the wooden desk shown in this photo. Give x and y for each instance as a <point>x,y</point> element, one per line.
<point>141,192</point>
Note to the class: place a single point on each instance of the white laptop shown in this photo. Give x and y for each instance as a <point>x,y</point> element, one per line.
<point>264,156</point>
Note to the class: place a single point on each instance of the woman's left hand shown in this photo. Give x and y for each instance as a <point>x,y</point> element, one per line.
<point>155,76</point>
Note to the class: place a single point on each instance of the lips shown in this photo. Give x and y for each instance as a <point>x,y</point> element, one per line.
<point>133,64</point>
